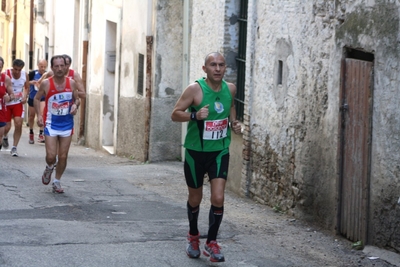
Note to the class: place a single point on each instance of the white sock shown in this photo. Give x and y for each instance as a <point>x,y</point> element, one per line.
<point>56,180</point>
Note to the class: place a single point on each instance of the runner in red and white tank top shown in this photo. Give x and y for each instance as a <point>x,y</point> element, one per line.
<point>15,108</point>
<point>75,76</point>
<point>61,105</point>
<point>71,74</point>
<point>6,94</point>
<point>56,114</point>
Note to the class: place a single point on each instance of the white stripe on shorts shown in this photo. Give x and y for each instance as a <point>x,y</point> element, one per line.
<point>50,132</point>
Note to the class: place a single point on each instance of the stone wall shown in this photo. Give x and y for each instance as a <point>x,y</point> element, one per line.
<point>375,28</point>
<point>291,129</point>
<point>291,133</point>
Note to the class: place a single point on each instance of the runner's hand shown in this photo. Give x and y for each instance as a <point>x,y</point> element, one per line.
<point>74,109</point>
<point>202,113</point>
<point>40,121</point>
<point>236,127</point>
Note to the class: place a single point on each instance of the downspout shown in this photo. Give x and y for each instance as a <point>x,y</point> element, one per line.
<point>85,53</point>
<point>31,38</point>
<point>185,63</point>
<point>51,29</point>
<point>14,41</point>
<point>249,85</point>
<point>149,74</point>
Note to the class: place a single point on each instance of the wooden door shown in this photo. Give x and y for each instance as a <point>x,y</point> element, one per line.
<point>356,109</point>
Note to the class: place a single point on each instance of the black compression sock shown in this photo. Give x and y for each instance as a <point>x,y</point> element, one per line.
<point>215,219</point>
<point>193,215</point>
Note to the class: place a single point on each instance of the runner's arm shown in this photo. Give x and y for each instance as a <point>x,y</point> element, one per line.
<point>75,96</point>
<point>42,91</point>
<point>25,89</point>
<point>45,76</point>
<point>79,83</point>
<point>9,88</point>
<point>179,113</point>
<point>235,125</point>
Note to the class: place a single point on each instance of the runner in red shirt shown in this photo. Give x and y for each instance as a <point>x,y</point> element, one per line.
<point>15,108</point>
<point>6,95</point>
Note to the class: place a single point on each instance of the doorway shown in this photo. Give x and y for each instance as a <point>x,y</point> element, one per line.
<point>110,89</point>
<point>355,144</point>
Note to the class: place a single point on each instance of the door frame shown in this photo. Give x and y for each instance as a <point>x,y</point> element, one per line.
<point>357,55</point>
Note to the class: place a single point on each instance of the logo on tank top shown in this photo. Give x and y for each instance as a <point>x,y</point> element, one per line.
<point>219,108</point>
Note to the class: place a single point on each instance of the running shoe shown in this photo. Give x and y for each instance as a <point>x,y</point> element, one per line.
<point>14,152</point>
<point>46,177</point>
<point>5,143</point>
<point>57,188</point>
<point>31,137</point>
<point>41,138</point>
<point>213,251</point>
<point>192,248</point>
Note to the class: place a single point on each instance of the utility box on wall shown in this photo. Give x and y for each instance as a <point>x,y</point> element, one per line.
<point>110,61</point>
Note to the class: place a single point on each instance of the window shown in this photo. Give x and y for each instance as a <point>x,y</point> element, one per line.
<point>40,8</point>
<point>46,48</point>
<point>280,71</point>
<point>241,60</point>
<point>140,83</point>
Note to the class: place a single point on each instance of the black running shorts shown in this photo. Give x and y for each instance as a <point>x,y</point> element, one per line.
<point>197,164</point>
<point>30,101</point>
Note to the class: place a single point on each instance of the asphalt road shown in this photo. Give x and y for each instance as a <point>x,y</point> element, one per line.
<point>119,212</point>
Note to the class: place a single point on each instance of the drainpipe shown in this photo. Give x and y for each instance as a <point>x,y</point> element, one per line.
<point>31,38</point>
<point>14,41</point>
<point>86,31</point>
<point>149,74</point>
<point>185,63</point>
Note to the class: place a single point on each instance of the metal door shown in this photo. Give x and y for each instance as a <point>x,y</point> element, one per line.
<point>356,97</point>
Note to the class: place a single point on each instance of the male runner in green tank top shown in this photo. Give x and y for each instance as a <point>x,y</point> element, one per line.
<point>211,118</point>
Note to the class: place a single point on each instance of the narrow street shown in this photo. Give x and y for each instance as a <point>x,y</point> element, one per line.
<point>118,212</point>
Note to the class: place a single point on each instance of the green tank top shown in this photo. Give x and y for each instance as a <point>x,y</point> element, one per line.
<point>214,133</point>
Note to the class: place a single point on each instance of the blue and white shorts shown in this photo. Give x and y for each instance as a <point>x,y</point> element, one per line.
<point>51,132</point>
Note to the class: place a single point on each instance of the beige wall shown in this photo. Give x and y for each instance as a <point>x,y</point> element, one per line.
<point>7,31</point>
<point>23,33</point>
<point>4,38</point>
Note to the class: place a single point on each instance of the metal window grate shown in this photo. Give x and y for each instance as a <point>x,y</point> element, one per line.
<point>140,83</point>
<point>241,60</point>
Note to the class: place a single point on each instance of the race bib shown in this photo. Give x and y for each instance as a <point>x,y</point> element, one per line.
<point>216,129</point>
<point>60,109</point>
<point>18,96</point>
